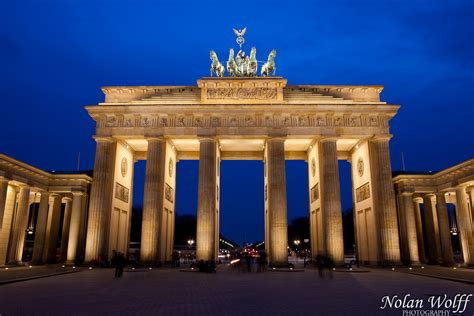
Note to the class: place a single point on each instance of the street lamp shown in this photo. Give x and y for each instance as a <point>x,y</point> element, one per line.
<point>297,242</point>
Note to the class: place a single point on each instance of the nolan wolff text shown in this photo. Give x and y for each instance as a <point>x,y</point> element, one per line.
<point>434,305</point>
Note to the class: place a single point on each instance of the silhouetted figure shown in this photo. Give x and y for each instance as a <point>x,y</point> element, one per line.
<point>320,265</point>
<point>262,261</point>
<point>175,259</point>
<point>248,260</point>
<point>119,265</point>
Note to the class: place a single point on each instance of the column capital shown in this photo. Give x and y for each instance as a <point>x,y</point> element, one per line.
<point>103,139</point>
<point>462,186</point>
<point>209,139</point>
<point>381,138</point>
<point>275,139</point>
<point>418,199</point>
<point>54,195</point>
<point>430,196</point>
<point>325,139</point>
<point>155,139</point>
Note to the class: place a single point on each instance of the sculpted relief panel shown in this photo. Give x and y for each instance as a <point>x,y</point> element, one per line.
<point>258,93</point>
<point>244,120</point>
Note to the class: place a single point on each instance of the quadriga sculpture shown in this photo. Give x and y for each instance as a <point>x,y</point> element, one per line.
<point>216,66</point>
<point>269,66</point>
<point>252,64</point>
<point>231,65</point>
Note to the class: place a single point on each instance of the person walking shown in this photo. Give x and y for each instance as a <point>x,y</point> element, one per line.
<point>120,264</point>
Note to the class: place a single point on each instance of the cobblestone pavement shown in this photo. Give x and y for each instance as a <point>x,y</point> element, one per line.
<point>228,292</point>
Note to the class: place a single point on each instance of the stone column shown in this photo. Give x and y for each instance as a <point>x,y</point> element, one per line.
<point>206,213</point>
<point>73,238</point>
<point>410,227</point>
<point>471,194</point>
<point>100,199</point>
<point>5,231</point>
<point>465,226</point>
<point>40,232</point>
<point>419,229</point>
<point>81,246</point>
<point>384,200</point>
<point>277,209</point>
<point>19,226</point>
<point>53,235</point>
<point>331,200</point>
<point>66,228</point>
<point>444,230</point>
<point>3,198</point>
<point>432,230</point>
<point>153,200</point>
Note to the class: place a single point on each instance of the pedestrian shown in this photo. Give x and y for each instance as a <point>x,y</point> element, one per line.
<point>320,265</point>
<point>114,261</point>
<point>261,261</point>
<point>120,264</point>
<point>248,260</point>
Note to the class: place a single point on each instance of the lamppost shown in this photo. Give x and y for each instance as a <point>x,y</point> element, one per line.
<point>306,241</point>
<point>297,243</point>
<point>190,244</point>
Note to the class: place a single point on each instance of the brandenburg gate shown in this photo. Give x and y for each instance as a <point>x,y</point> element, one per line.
<point>239,117</point>
<point>243,118</point>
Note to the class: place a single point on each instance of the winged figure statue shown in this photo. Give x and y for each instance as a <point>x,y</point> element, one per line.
<point>240,33</point>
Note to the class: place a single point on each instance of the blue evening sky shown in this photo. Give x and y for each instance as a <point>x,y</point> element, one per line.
<point>56,54</point>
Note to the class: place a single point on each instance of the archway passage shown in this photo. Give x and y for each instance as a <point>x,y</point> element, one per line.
<point>242,201</point>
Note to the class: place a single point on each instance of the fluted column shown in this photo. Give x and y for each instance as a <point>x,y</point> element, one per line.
<point>81,246</point>
<point>444,230</point>
<point>75,222</point>
<point>19,226</point>
<point>51,247</point>
<point>3,198</point>
<point>5,232</point>
<point>40,231</point>
<point>384,200</point>
<point>331,200</point>
<point>206,213</point>
<point>66,228</point>
<point>410,227</point>
<point>419,230</point>
<point>432,230</point>
<point>153,200</point>
<point>470,190</point>
<point>101,199</point>
<point>465,226</point>
<point>276,195</point>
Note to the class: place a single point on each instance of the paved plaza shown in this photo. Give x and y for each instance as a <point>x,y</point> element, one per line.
<point>228,292</point>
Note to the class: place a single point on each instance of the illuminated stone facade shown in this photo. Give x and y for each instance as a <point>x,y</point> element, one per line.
<point>237,119</point>
<point>244,119</point>
<point>24,188</point>
<point>426,238</point>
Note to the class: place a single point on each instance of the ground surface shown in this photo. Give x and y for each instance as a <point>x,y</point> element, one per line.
<point>228,292</point>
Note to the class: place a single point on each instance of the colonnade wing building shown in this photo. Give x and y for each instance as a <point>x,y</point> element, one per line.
<point>243,119</point>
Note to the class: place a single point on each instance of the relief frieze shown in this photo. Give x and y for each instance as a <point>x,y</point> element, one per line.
<point>249,120</point>
<point>258,93</point>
